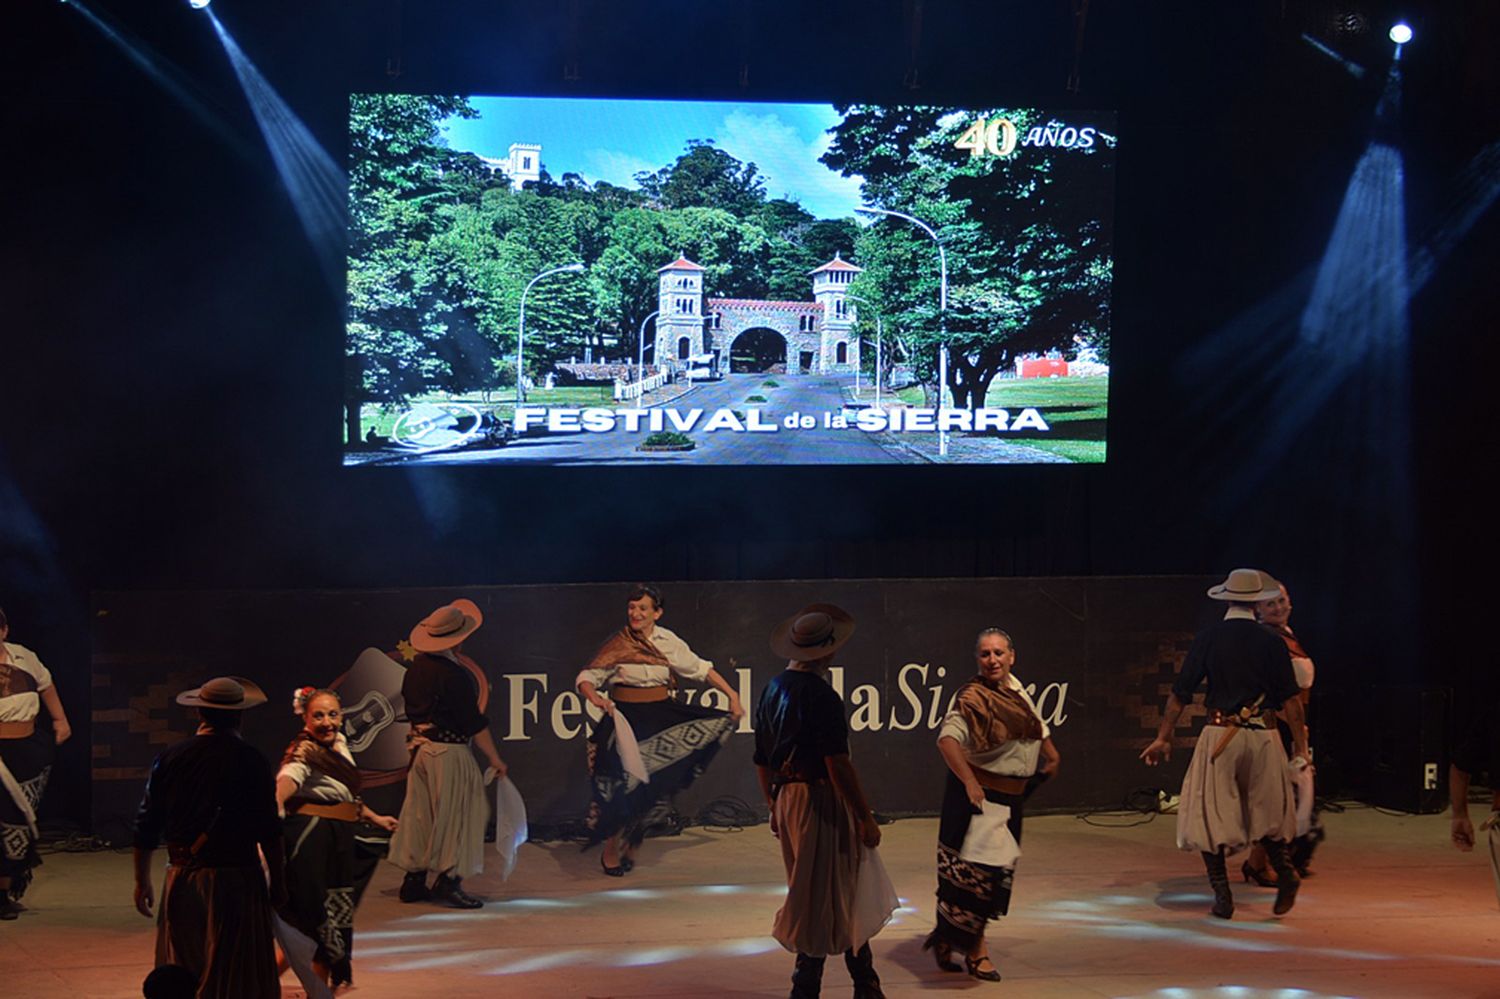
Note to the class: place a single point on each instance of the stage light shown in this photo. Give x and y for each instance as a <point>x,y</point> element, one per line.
<point>199,4</point>
<point>1400,32</point>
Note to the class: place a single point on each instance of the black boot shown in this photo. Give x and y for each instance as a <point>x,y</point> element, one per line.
<point>1218,880</point>
<point>861,965</point>
<point>414,887</point>
<point>1301,850</point>
<point>807,980</point>
<point>449,890</point>
<point>1287,881</point>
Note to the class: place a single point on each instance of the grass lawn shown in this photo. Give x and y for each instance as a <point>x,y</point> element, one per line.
<point>1075,409</point>
<point>503,402</point>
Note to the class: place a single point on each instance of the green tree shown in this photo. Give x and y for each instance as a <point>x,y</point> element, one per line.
<point>1027,237</point>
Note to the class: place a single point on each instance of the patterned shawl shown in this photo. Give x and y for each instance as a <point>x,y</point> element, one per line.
<point>994,715</point>
<point>305,749</point>
<point>627,646</point>
<point>1293,646</point>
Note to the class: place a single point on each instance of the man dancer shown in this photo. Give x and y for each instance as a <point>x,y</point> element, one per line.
<point>818,810</point>
<point>213,798</point>
<point>445,811</point>
<point>1238,788</point>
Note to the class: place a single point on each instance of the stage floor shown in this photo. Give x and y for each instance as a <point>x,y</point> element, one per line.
<point>1393,911</point>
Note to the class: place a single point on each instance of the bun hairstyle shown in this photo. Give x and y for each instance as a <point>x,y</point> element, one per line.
<point>303,696</point>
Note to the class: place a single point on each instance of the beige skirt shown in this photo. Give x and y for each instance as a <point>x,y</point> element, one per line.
<point>838,894</point>
<point>1243,796</point>
<point>444,814</point>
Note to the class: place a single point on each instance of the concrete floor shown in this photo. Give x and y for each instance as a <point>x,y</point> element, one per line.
<point>1393,911</point>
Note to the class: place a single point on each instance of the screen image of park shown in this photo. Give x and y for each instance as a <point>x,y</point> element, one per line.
<point>567,281</point>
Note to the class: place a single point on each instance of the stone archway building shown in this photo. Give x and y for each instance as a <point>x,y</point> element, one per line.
<point>820,336</point>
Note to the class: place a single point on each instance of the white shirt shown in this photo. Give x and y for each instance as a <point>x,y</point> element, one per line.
<point>683,662</point>
<point>1012,758</point>
<point>315,785</point>
<point>24,707</point>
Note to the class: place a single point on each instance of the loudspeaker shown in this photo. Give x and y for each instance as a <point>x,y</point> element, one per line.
<point>1388,745</point>
<point>1409,761</point>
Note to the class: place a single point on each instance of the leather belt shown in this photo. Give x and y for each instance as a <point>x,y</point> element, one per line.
<point>997,782</point>
<point>1247,717</point>
<point>639,695</point>
<point>343,811</point>
<point>17,730</point>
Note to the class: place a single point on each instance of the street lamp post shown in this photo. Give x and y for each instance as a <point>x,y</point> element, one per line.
<point>521,333</point>
<point>879,337</point>
<point>640,357</point>
<point>942,312</point>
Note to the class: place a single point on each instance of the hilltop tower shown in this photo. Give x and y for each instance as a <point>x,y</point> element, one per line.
<point>838,347</point>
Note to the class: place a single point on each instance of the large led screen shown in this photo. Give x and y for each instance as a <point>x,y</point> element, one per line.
<point>630,282</point>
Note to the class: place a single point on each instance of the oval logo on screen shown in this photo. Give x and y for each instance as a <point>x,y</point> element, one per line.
<point>437,426</point>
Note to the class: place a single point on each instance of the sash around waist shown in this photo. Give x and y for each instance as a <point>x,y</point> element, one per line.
<point>17,729</point>
<point>343,811</point>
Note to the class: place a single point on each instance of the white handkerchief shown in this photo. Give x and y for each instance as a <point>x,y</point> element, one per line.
<point>988,840</point>
<point>299,951</point>
<point>510,824</point>
<point>875,900</point>
<point>629,750</point>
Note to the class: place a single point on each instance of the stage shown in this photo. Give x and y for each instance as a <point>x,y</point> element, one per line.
<point>1393,911</point>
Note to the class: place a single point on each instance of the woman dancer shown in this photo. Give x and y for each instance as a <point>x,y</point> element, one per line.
<point>992,740</point>
<point>25,762</point>
<point>318,790</point>
<point>1276,614</point>
<point>639,665</point>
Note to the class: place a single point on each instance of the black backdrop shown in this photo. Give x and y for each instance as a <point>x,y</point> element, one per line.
<point>171,365</point>
<point>1099,654</point>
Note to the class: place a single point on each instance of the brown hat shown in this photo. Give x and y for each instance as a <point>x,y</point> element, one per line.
<point>447,626</point>
<point>1246,586</point>
<point>815,631</point>
<point>226,693</point>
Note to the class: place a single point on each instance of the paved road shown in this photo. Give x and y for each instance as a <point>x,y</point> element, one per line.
<point>807,394</point>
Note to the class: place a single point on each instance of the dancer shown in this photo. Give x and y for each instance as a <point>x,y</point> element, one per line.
<point>838,893</point>
<point>326,871</point>
<point>445,811</point>
<point>1238,788</point>
<point>25,762</point>
<point>992,739</point>
<point>639,666</point>
<point>213,798</point>
<point>1276,615</point>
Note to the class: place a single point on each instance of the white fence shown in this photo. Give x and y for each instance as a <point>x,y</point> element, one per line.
<point>634,390</point>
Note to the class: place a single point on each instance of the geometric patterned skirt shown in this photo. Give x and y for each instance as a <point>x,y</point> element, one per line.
<point>326,873</point>
<point>677,742</point>
<point>29,761</point>
<point>969,894</point>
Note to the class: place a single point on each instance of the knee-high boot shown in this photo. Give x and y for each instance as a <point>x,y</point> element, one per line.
<point>807,979</point>
<point>1287,881</point>
<point>1218,880</point>
<point>861,965</point>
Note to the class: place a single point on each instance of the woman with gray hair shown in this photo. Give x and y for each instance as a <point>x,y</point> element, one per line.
<point>997,748</point>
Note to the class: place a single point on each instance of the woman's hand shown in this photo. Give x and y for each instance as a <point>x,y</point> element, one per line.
<point>604,704</point>
<point>498,765</point>
<point>736,709</point>
<point>869,832</point>
<point>61,730</point>
<point>386,822</point>
<point>975,791</point>
<point>1463,833</point>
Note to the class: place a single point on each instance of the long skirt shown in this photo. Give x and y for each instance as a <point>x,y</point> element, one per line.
<point>1240,798</point>
<point>838,895</point>
<point>327,870</point>
<point>970,893</point>
<point>216,922</point>
<point>29,761</point>
<point>677,742</point>
<point>444,814</point>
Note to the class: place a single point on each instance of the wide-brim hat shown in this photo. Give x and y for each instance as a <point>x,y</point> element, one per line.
<point>447,626</point>
<point>815,631</point>
<point>225,693</point>
<point>1246,586</point>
